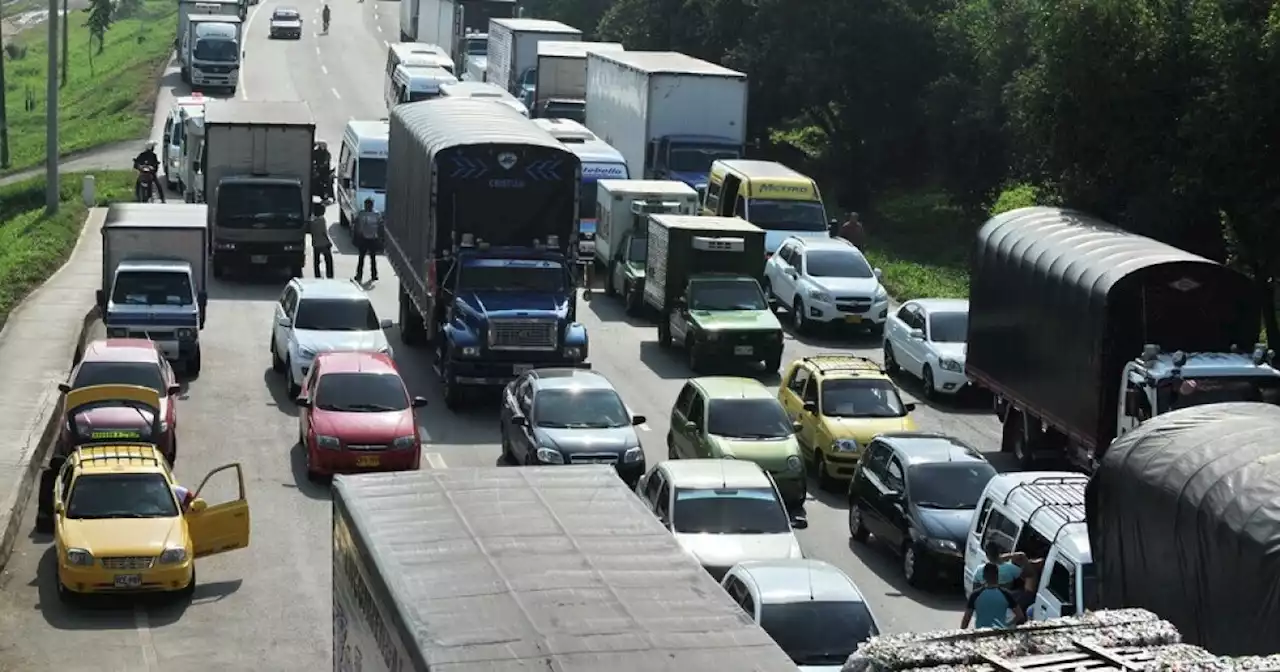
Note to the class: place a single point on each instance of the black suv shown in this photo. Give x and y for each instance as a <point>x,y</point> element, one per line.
<point>916,492</point>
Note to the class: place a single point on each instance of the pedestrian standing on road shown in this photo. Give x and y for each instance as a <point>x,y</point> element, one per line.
<point>989,604</point>
<point>368,238</point>
<point>853,232</point>
<point>321,246</point>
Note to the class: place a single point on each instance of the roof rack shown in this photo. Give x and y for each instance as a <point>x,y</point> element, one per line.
<point>119,453</point>
<point>1061,494</point>
<point>828,362</point>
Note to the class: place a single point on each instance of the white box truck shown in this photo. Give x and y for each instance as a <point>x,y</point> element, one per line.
<point>670,113</point>
<point>448,23</point>
<point>498,569</point>
<point>210,52</point>
<point>561,91</point>
<point>513,52</point>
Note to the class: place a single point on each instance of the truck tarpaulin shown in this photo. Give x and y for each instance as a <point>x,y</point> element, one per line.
<point>1060,300</point>
<point>1184,520</point>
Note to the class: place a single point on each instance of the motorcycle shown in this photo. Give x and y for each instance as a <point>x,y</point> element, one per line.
<point>144,188</point>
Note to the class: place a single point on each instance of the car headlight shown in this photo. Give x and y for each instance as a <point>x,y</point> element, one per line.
<point>943,544</point>
<point>634,454</point>
<point>184,333</point>
<point>550,456</point>
<point>405,442</point>
<point>794,463</point>
<point>79,556</point>
<point>881,293</point>
<point>950,364</point>
<point>328,442</point>
<point>471,351</point>
<point>819,295</point>
<point>845,446</point>
<point>173,556</point>
<point>573,352</point>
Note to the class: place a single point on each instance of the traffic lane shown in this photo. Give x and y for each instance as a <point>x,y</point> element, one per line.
<point>269,66</point>
<point>352,62</point>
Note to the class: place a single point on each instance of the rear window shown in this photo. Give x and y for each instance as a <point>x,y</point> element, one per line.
<point>142,374</point>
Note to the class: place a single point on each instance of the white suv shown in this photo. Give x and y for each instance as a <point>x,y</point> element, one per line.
<point>315,316</point>
<point>826,280</point>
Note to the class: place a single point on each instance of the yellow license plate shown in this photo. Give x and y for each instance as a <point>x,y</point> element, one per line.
<point>368,461</point>
<point>853,319</point>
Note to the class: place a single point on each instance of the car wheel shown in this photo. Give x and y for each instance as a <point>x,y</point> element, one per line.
<point>294,388</point>
<point>691,355</point>
<point>671,447</point>
<point>857,529</point>
<point>609,289</point>
<point>797,316</point>
<point>188,591</point>
<point>507,457</point>
<point>911,565</point>
<point>890,362</point>
<point>767,288</point>
<point>632,297</point>
<point>277,364</point>
<point>65,595</point>
<point>825,481</point>
<point>926,380</point>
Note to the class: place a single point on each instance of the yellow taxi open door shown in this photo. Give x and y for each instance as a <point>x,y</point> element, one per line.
<point>221,527</point>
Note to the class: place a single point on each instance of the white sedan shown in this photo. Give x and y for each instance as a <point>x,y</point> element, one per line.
<point>926,338</point>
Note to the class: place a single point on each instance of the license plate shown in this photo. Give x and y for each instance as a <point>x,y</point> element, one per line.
<point>742,350</point>
<point>258,259</point>
<point>521,368</point>
<point>853,319</point>
<point>128,580</point>
<point>601,461</point>
<point>368,461</point>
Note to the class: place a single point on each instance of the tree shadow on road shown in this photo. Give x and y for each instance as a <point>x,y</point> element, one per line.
<point>107,612</point>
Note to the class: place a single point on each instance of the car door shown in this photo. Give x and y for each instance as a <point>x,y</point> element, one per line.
<point>895,327</point>
<point>697,444</point>
<point>662,506</point>
<point>678,318</point>
<point>787,274</point>
<point>221,527</point>
<point>810,419</point>
<point>652,486</point>
<point>867,485</point>
<point>791,395</point>
<point>1057,591</point>
<point>741,594</point>
<point>679,416</point>
<point>974,555</point>
<point>894,508</point>
<point>284,311</point>
<point>912,358</point>
<point>776,271</point>
<point>521,435</point>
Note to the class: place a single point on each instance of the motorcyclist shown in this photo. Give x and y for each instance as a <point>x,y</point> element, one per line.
<point>324,16</point>
<point>148,166</point>
<point>321,171</point>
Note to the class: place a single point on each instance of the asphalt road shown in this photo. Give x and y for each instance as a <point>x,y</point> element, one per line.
<point>268,607</point>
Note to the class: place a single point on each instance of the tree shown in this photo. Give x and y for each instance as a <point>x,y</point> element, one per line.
<point>100,18</point>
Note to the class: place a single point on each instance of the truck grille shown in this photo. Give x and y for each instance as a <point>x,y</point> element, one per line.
<point>129,562</point>
<point>593,458</point>
<point>522,334</point>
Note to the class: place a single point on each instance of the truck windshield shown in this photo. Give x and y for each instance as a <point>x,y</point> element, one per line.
<point>217,50</point>
<point>748,419</point>
<point>244,206</point>
<point>506,275</point>
<point>728,294</point>
<point>727,511</point>
<point>1173,394</point>
<point>372,174</point>
<point>145,495</point>
<point>775,215</point>
<point>152,288</point>
<point>477,46</point>
<point>638,250</point>
<point>694,159</point>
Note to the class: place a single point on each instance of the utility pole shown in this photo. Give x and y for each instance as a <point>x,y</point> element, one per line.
<point>66,37</point>
<point>51,116</point>
<point>4,116</point>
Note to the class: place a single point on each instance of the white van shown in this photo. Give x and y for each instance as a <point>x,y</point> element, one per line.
<point>191,157</point>
<point>483,91</point>
<point>362,168</point>
<point>1040,513</point>
<point>171,147</point>
<point>414,54</point>
<point>411,84</point>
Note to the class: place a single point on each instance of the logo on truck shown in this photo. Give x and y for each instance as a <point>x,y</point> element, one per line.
<point>507,160</point>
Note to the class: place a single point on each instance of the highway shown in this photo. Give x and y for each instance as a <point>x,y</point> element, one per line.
<point>268,607</point>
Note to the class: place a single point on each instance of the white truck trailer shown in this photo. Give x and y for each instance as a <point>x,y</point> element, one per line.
<point>500,569</point>
<point>513,52</point>
<point>670,115</point>
<point>449,23</point>
<point>562,78</point>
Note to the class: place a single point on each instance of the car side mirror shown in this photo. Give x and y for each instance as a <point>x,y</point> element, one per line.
<point>101,298</point>
<point>58,508</point>
<point>285,322</point>
<point>909,407</point>
<point>638,420</point>
<point>810,407</point>
<point>419,402</point>
<point>64,387</point>
<point>173,389</point>
<point>879,273</point>
<point>520,420</point>
<point>198,505</point>
<point>346,183</point>
<point>796,427</point>
<point>303,402</point>
<point>916,334</point>
<point>385,324</point>
<point>690,426</point>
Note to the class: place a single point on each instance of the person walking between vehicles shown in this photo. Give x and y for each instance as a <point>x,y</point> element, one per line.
<point>853,232</point>
<point>324,17</point>
<point>368,238</point>
<point>321,246</point>
<point>989,604</point>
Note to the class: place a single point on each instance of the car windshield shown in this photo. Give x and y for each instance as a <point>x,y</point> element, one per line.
<point>152,288</point>
<point>360,393</point>
<point>259,206</point>
<point>776,215</point>
<point>948,485</point>
<point>637,250</point>
<point>217,50</point>
<point>726,511</point>
<point>1175,393</point>
<point>513,275</point>
<point>570,408</point>
<point>285,15</point>
<point>818,633</point>
<point>142,374</point>
<point>336,315</point>
<point>145,495</point>
<point>748,419</point>
<point>687,159</point>
<point>854,398</point>
<point>836,264</point>
<point>948,327</point>
<point>372,173</point>
<point>729,294</point>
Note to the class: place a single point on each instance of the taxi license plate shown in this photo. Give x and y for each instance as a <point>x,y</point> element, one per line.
<point>128,580</point>
<point>742,350</point>
<point>521,368</point>
<point>258,258</point>
<point>853,319</point>
<point>368,461</point>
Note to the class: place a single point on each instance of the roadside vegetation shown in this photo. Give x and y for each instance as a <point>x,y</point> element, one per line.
<point>33,245</point>
<point>109,92</point>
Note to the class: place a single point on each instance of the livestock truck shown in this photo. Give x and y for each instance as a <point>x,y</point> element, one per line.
<point>1082,331</point>
<point>481,228</point>
<point>257,179</point>
<point>451,24</point>
<point>560,89</point>
<point>513,52</point>
<point>541,568</point>
<point>670,115</point>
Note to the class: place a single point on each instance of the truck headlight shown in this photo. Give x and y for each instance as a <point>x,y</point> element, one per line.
<point>573,352</point>
<point>405,442</point>
<point>950,364</point>
<point>79,556</point>
<point>328,442</point>
<point>845,446</point>
<point>794,463</point>
<point>173,556</point>
<point>550,456</point>
<point>471,351</point>
<point>184,334</point>
<point>635,454</point>
<point>819,296</point>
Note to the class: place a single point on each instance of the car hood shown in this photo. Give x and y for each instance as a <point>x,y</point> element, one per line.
<point>369,428</point>
<point>735,320</point>
<point>604,440</point>
<point>341,341</point>
<point>849,286</point>
<point>863,430</point>
<point>727,550</point>
<point>286,23</point>
<point>774,239</point>
<point>769,454</point>
<point>954,351</point>
<point>950,524</point>
<point>494,304</point>
<point>123,536</point>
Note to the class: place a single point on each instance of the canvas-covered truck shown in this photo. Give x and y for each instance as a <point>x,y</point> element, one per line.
<point>481,228</point>
<point>541,568</point>
<point>1183,521</point>
<point>513,52</point>
<point>670,115</point>
<point>155,277</point>
<point>561,86</point>
<point>1082,331</point>
<point>257,177</point>
<point>704,282</point>
<point>622,209</point>
<point>210,52</point>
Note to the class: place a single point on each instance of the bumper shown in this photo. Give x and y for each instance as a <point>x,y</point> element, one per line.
<point>330,462</point>
<point>287,33</point>
<point>840,465</point>
<point>950,382</point>
<point>228,80</point>
<point>727,349</point>
<point>284,257</point>
<point>941,562</point>
<point>851,314</point>
<point>496,374</point>
<point>100,580</point>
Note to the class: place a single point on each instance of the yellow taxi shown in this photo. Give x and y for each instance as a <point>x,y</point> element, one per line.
<point>120,526</point>
<point>841,402</point>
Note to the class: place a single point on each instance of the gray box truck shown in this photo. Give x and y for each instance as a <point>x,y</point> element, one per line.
<point>561,91</point>
<point>513,52</point>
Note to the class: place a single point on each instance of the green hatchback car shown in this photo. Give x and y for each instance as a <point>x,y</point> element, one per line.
<point>738,418</point>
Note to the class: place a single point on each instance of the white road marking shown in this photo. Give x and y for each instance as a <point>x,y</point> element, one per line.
<point>248,26</point>
<point>336,94</point>
<point>379,29</point>
<point>644,427</point>
<point>317,49</point>
<point>436,461</point>
<point>384,43</point>
<point>143,625</point>
<point>324,69</point>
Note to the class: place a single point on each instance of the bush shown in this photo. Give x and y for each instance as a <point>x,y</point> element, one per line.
<point>921,240</point>
<point>1018,195</point>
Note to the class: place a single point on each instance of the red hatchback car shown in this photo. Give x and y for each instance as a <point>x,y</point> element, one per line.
<point>357,416</point>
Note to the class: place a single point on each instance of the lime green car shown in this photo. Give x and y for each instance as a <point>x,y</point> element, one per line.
<point>738,418</point>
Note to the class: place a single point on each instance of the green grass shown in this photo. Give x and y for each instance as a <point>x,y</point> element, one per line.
<point>921,240</point>
<point>108,96</point>
<point>32,245</point>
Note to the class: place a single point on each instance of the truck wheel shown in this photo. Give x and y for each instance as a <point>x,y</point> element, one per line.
<point>411,327</point>
<point>1009,431</point>
<point>633,300</point>
<point>609,289</point>
<point>664,332</point>
<point>218,269</point>
<point>451,392</point>
<point>1023,445</point>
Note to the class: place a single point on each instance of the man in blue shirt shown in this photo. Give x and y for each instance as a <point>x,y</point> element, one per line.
<point>989,605</point>
<point>1009,564</point>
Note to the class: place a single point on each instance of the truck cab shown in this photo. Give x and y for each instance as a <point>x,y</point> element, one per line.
<point>211,52</point>
<point>687,158</point>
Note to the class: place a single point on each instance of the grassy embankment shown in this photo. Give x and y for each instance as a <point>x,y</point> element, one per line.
<point>32,245</point>
<point>109,96</point>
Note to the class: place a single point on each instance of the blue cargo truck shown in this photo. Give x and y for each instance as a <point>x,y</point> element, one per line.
<point>481,224</point>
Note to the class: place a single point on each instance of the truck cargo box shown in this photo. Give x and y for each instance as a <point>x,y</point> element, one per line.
<point>1184,520</point>
<point>1059,301</point>
<point>681,245</point>
<point>562,69</point>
